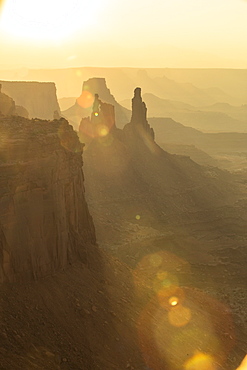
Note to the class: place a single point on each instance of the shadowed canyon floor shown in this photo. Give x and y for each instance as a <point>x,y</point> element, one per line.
<point>146,202</point>
<point>172,295</point>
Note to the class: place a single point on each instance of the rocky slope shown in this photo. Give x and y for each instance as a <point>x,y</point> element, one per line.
<point>150,208</point>
<point>38,98</point>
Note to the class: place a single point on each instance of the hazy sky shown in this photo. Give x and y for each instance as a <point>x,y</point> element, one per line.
<point>147,33</point>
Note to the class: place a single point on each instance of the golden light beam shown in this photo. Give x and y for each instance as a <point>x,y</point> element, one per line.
<point>1,4</point>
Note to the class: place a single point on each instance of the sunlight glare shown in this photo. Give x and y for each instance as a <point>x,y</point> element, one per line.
<point>1,4</point>
<point>47,20</point>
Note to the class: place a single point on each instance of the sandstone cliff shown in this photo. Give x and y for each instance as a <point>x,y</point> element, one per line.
<point>38,98</point>
<point>44,219</point>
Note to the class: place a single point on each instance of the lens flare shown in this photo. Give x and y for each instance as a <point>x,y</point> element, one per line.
<point>155,260</point>
<point>102,130</point>
<point>138,217</point>
<point>162,275</point>
<point>200,361</point>
<point>243,365</point>
<point>78,73</point>
<point>173,301</point>
<point>170,296</point>
<point>183,328</point>
<point>86,99</point>
<point>179,316</point>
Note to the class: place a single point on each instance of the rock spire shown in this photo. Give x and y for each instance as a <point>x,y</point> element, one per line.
<point>139,113</point>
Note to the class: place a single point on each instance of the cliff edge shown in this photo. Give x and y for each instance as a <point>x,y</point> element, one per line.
<point>38,98</point>
<point>44,219</point>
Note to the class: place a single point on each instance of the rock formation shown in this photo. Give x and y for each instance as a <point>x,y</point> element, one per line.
<point>44,220</point>
<point>82,107</point>
<point>78,317</point>
<point>139,114</point>
<point>101,122</point>
<point>8,106</point>
<point>38,98</point>
<point>21,111</point>
<point>128,164</point>
<point>56,115</point>
<point>146,202</point>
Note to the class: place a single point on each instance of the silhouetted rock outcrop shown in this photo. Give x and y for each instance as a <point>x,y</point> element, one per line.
<point>139,114</point>
<point>38,98</point>
<point>128,164</point>
<point>44,219</point>
<point>83,106</point>
<point>8,106</point>
<point>101,122</point>
<point>21,111</point>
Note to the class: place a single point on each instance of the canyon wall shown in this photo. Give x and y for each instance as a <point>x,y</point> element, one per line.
<point>39,98</point>
<point>44,219</point>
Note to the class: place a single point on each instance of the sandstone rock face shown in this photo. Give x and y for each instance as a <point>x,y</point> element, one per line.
<point>44,219</point>
<point>38,98</point>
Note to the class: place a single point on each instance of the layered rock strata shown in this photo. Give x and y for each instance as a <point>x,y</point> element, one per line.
<point>44,219</point>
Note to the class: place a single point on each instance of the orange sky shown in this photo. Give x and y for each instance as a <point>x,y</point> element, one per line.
<point>157,33</point>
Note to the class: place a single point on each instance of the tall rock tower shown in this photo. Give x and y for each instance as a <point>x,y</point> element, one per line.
<point>139,116</point>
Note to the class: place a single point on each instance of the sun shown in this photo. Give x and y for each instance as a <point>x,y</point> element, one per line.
<point>47,20</point>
